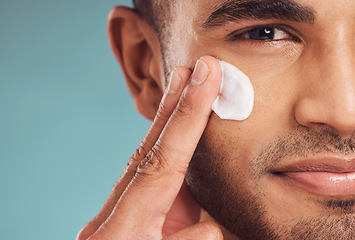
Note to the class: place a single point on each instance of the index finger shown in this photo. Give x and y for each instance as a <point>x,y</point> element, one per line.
<point>166,108</point>
<point>152,191</point>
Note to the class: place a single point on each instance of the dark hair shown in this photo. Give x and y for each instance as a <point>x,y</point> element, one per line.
<point>146,9</point>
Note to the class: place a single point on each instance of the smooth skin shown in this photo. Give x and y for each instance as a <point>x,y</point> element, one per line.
<point>304,94</point>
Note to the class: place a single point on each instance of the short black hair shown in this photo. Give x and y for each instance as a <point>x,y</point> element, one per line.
<point>145,9</point>
<point>152,11</point>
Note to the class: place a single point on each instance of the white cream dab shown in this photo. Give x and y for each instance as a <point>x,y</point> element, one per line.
<point>236,95</point>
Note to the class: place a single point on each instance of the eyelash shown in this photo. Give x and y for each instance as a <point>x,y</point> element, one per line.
<point>239,34</point>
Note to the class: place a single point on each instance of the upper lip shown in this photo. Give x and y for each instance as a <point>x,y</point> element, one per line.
<point>319,164</point>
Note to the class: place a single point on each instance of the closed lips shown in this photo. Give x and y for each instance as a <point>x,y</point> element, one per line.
<point>330,176</point>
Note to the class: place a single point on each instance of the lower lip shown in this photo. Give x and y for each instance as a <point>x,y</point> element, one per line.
<point>325,183</point>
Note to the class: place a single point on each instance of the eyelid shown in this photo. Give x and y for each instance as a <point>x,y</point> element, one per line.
<point>236,35</point>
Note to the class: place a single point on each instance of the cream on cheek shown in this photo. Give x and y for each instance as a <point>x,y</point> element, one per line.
<point>236,97</point>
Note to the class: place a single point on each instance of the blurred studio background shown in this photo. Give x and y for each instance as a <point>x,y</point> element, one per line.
<point>67,122</point>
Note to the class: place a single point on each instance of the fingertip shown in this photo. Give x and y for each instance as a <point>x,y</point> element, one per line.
<point>178,79</point>
<point>174,83</point>
<point>214,76</point>
<point>205,82</point>
<point>213,65</point>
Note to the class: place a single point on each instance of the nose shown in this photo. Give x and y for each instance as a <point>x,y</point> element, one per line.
<point>327,99</point>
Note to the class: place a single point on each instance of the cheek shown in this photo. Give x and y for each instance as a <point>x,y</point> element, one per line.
<point>274,70</point>
<point>219,175</point>
<point>267,61</point>
<point>239,142</point>
<point>272,116</point>
<point>230,146</point>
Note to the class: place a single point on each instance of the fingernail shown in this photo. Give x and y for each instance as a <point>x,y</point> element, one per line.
<point>174,84</point>
<point>200,73</point>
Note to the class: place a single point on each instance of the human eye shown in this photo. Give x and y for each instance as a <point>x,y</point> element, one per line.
<point>263,33</point>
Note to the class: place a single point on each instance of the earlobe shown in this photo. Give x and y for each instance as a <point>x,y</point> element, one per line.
<point>136,46</point>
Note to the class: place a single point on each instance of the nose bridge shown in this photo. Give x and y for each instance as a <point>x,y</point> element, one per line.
<point>338,75</point>
<point>330,99</point>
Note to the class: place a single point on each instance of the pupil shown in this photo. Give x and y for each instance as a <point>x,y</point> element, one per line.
<point>262,34</point>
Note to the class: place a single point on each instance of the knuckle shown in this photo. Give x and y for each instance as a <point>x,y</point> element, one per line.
<point>158,166</point>
<point>163,112</point>
<point>175,159</point>
<point>170,157</point>
<point>153,166</point>
<point>134,161</point>
<point>185,107</point>
<point>139,154</point>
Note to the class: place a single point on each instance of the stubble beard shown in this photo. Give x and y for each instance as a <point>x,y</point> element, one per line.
<point>234,197</point>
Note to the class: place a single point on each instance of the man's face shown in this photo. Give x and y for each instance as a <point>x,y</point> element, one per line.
<point>288,170</point>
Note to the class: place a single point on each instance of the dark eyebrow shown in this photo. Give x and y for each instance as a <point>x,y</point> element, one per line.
<point>236,10</point>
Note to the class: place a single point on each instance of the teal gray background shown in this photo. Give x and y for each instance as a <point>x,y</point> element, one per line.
<point>67,122</point>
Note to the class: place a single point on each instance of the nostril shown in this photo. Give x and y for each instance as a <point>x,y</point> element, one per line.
<point>317,116</point>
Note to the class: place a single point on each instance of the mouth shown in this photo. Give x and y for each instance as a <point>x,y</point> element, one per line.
<point>333,177</point>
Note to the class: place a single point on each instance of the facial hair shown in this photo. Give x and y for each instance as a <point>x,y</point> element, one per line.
<point>232,194</point>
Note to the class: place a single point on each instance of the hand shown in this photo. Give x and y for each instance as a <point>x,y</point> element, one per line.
<point>150,200</point>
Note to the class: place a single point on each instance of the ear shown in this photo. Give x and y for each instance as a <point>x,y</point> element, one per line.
<point>136,46</point>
